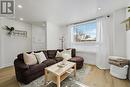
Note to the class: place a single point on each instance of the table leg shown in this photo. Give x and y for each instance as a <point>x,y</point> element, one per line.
<point>46,76</point>
<point>75,70</point>
<point>58,81</point>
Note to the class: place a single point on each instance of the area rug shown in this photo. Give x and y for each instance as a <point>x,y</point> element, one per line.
<point>68,82</point>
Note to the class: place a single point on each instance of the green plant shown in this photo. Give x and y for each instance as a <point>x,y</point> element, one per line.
<point>129,9</point>
<point>128,19</point>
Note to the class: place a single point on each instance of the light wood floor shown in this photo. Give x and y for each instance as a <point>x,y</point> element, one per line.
<point>95,78</point>
<point>102,78</point>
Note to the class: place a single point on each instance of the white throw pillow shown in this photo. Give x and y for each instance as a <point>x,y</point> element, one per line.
<point>66,54</point>
<point>40,57</point>
<point>59,54</point>
<point>29,59</point>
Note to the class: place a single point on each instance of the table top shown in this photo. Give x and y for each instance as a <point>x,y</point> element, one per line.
<point>60,70</point>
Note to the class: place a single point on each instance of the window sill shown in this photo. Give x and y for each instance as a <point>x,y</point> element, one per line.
<point>85,43</point>
<point>86,51</point>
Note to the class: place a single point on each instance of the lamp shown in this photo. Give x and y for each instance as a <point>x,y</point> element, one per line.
<point>62,42</point>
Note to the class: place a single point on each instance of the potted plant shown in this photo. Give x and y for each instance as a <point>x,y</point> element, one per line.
<point>127,21</point>
<point>129,9</point>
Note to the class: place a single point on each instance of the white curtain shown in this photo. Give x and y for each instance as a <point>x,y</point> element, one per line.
<point>68,36</point>
<point>103,43</point>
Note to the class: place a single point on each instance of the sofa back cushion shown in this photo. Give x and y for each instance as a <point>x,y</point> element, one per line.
<point>20,56</point>
<point>51,53</point>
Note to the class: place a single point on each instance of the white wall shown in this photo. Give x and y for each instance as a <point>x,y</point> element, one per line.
<point>10,46</point>
<point>53,35</point>
<point>89,56</point>
<point>0,49</point>
<point>117,39</point>
<point>128,35</point>
<point>38,37</point>
<point>128,44</point>
<point>119,33</point>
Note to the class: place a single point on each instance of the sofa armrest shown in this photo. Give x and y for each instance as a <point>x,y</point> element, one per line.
<point>129,70</point>
<point>20,64</point>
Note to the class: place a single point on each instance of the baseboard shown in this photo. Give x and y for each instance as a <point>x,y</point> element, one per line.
<point>1,67</point>
<point>102,68</point>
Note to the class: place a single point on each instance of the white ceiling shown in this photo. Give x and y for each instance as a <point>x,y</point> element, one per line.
<point>65,11</point>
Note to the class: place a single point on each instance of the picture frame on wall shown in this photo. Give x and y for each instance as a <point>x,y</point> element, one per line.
<point>19,33</point>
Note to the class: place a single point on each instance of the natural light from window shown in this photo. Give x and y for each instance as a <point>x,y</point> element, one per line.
<point>84,32</point>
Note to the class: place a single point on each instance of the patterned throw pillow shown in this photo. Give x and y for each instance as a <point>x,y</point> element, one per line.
<point>66,54</point>
<point>59,54</point>
<point>40,57</point>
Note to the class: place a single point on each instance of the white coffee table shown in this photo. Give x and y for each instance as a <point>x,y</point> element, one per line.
<point>57,74</point>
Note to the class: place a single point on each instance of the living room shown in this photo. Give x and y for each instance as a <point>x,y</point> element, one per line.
<point>79,43</point>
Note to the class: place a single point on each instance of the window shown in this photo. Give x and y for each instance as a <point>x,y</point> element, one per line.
<point>84,32</point>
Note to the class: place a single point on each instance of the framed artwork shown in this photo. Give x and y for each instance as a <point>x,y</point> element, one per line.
<point>19,33</point>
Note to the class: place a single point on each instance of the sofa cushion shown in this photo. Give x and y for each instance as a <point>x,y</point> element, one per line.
<point>34,69</point>
<point>40,57</point>
<point>51,53</point>
<point>66,54</point>
<point>78,60</point>
<point>44,51</point>
<point>20,65</point>
<point>58,59</point>
<point>29,78</point>
<point>37,67</point>
<point>29,59</point>
<point>49,62</point>
<point>20,56</point>
<point>73,51</point>
<point>59,54</point>
<point>129,70</point>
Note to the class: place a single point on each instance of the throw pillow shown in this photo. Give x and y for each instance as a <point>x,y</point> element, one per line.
<point>29,59</point>
<point>40,57</point>
<point>59,54</point>
<point>66,54</point>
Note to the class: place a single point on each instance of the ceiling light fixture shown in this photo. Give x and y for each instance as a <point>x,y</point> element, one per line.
<point>20,6</point>
<point>99,8</point>
<point>21,19</point>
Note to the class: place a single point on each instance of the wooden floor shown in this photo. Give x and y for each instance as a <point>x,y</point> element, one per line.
<point>96,78</point>
<point>102,78</point>
<point>7,77</point>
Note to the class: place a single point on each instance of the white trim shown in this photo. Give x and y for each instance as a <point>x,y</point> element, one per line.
<point>102,67</point>
<point>5,66</point>
<point>85,22</point>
